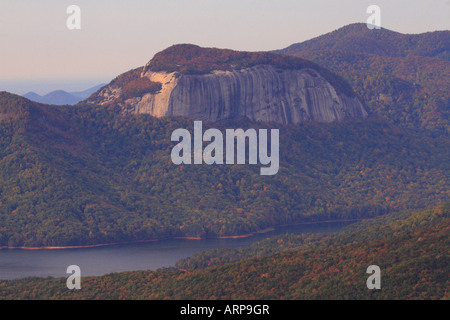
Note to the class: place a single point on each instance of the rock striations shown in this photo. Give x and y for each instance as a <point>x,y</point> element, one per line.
<point>214,84</point>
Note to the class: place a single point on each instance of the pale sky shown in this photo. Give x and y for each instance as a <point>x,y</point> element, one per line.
<point>38,52</point>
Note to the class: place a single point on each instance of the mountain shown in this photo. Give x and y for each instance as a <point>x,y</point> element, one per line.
<point>402,78</point>
<point>61,97</point>
<point>381,42</point>
<point>58,97</point>
<point>84,94</point>
<point>409,247</point>
<point>100,171</point>
<point>87,174</point>
<point>216,84</point>
<point>32,96</point>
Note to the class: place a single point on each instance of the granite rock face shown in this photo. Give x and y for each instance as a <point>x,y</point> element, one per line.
<point>260,93</point>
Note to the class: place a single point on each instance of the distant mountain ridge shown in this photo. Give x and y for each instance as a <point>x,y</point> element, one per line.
<point>383,42</point>
<point>401,77</point>
<point>61,97</point>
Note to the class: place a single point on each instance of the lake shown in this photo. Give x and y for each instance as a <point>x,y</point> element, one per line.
<point>17,263</point>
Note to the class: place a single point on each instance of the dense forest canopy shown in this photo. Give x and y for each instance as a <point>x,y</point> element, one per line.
<point>87,175</point>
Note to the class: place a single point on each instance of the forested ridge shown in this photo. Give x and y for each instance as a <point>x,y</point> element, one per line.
<point>411,248</point>
<point>87,175</point>
<point>357,37</point>
<point>192,59</point>
<point>404,78</point>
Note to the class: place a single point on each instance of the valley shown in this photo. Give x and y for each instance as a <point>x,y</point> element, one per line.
<point>362,117</point>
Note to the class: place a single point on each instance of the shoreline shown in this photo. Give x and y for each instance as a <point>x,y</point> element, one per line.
<point>246,235</point>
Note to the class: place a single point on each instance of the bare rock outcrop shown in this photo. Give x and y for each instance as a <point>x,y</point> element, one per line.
<point>261,92</point>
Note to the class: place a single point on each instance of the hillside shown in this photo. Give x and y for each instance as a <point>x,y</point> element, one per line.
<point>409,248</point>
<point>402,78</point>
<point>88,174</point>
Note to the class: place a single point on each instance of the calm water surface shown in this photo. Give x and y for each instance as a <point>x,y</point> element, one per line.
<point>18,263</point>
